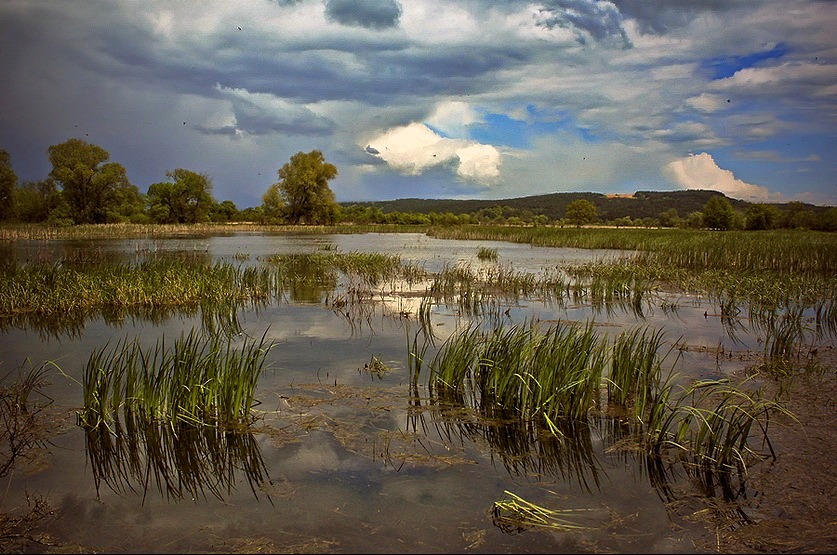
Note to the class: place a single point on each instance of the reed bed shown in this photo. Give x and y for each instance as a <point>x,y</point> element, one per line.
<point>40,232</point>
<point>782,251</point>
<point>200,380</point>
<point>51,289</point>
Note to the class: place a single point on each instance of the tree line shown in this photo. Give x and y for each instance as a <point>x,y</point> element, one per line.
<point>86,187</point>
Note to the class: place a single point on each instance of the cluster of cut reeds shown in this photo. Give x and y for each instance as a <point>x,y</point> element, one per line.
<point>515,514</point>
<point>200,379</point>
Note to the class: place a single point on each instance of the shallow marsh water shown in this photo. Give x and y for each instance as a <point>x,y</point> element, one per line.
<point>342,459</point>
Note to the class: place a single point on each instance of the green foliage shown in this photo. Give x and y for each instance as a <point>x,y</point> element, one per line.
<point>761,216</point>
<point>303,185</point>
<point>95,190</point>
<point>40,201</point>
<point>8,184</point>
<point>187,198</point>
<point>273,205</point>
<point>580,212</point>
<point>718,213</point>
<point>225,211</point>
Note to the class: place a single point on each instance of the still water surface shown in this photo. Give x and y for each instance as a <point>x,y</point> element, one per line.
<point>343,460</point>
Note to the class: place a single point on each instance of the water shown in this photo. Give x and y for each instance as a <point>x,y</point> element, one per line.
<point>342,460</point>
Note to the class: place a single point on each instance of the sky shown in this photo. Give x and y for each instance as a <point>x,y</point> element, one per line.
<point>471,99</point>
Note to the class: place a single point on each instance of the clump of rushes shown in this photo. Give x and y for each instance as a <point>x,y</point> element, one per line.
<point>713,426</point>
<point>371,268</point>
<point>555,375</point>
<point>487,254</point>
<point>201,380</point>
<point>549,375</point>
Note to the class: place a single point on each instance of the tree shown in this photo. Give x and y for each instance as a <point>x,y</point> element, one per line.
<point>303,185</point>
<point>669,218</point>
<point>273,204</point>
<point>225,211</point>
<point>718,213</point>
<point>40,202</point>
<point>761,216</point>
<point>8,184</point>
<point>92,187</point>
<point>186,199</point>
<point>580,212</point>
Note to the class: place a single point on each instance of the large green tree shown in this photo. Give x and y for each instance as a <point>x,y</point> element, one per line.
<point>8,184</point>
<point>580,212</point>
<point>718,213</point>
<point>187,198</point>
<point>40,202</point>
<point>95,190</point>
<point>303,185</point>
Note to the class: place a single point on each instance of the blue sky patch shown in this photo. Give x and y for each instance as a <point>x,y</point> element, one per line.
<point>726,66</point>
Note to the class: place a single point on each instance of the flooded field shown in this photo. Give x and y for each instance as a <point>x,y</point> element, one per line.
<point>357,439</point>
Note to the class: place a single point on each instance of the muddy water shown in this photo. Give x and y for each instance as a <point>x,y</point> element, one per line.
<point>342,459</point>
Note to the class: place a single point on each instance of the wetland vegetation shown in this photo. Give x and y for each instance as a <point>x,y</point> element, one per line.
<point>672,352</point>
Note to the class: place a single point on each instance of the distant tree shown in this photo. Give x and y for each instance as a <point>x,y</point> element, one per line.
<point>761,216</point>
<point>827,220</point>
<point>580,212</point>
<point>187,198</point>
<point>669,218</point>
<point>273,204</point>
<point>40,202</point>
<point>718,213</point>
<point>303,185</point>
<point>225,211</point>
<point>8,184</point>
<point>94,189</point>
<point>694,220</point>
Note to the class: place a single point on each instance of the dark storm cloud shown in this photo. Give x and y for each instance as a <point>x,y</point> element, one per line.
<point>373,14</point>
<point>660,16</point>
<point>600,20</point>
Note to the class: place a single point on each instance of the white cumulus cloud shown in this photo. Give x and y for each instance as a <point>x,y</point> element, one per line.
<point>699,171</point>
<point>415,148</point>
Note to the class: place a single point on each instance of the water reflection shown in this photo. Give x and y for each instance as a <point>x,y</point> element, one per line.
<point>137,454</point>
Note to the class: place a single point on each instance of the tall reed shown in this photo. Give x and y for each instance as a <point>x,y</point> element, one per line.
<point>199,380</point>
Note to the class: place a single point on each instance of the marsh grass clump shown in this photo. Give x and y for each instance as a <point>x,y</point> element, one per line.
<point>713,427</point>
<point>554,376</point>
<point>200,380</point>
<point>487,254</point>
<point>547,375</point>
<point>324,265</point>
